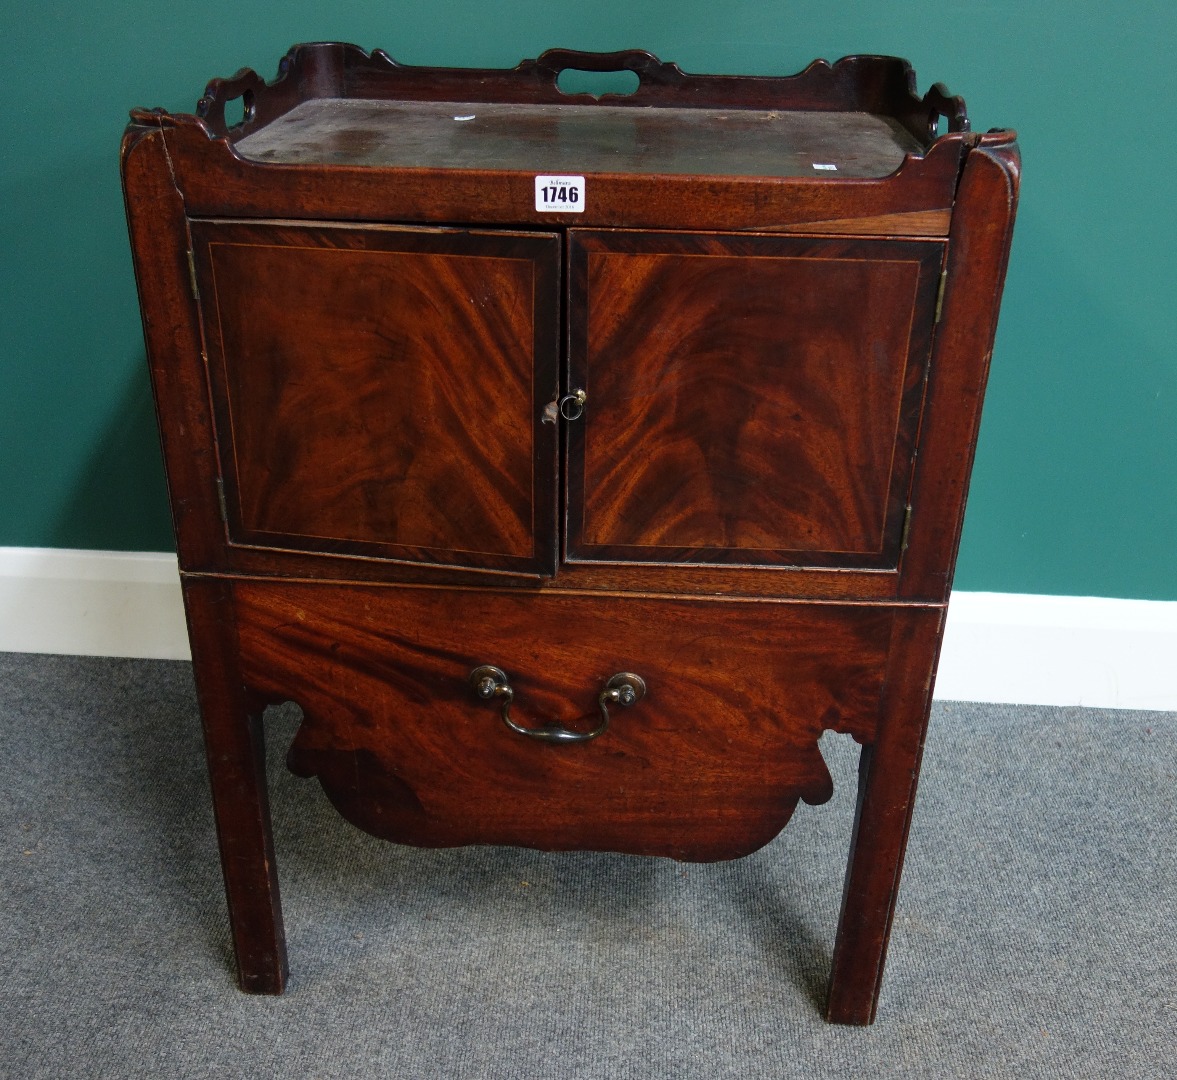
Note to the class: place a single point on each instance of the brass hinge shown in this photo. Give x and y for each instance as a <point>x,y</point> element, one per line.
<point>939,292</point>
<point>906,528</point>
<point>221,500</point>
<point>192,275</point>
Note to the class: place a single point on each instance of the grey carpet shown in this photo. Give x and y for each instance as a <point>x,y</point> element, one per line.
<point>1036,934</point>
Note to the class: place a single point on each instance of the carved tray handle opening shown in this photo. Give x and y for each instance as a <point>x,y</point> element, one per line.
<point>230,105</point>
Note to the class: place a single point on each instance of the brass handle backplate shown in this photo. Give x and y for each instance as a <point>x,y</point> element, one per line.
<point>491,683</point>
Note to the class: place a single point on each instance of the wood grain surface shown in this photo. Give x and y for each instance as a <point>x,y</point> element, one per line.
<point>217,182</point>
<point>750,399</point>
<point>234,744</point>
<point>381,390</point>
<point>708,766</point>
<point>172,338</point>
<point>979,249</point>
<point>888,775</point>
<point>874,85</point>
<point>571,138</point>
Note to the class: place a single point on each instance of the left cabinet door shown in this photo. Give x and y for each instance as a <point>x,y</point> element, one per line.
<point>379,391</point>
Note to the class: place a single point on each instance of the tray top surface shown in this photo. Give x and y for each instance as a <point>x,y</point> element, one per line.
<point>582,139</point>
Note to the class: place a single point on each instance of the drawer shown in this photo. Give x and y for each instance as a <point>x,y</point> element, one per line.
<point>709,764</point>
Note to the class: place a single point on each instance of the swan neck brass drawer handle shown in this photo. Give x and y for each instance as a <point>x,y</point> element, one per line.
<point>491,683</point>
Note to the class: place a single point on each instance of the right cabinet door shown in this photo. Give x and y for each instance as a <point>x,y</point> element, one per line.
<point>749,399</point>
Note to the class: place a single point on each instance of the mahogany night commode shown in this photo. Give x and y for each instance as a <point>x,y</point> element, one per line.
<point>573,464</point>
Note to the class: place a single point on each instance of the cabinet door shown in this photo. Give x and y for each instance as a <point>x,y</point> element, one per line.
<point>749,399</point>
<point>379,391</point>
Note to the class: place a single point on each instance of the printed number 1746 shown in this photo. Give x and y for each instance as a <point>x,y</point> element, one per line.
<point>559,194</point>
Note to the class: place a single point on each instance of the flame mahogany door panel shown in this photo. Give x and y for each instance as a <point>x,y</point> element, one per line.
<point>378,391</point>
<point>749,399</point>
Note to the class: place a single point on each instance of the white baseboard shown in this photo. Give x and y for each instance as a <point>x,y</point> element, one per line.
<point>1060,650</point>
<point>999,647</point>
<point>91,603</point>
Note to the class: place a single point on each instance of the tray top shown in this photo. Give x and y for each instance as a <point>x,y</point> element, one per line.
<point>546,138</point>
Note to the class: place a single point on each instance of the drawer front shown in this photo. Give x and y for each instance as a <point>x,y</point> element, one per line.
<point>709,764</point>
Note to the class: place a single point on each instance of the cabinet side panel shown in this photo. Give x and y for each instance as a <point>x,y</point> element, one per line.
<point>978,251</point>
<point>171,330</point>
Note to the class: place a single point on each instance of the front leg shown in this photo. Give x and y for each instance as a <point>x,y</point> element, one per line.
<point>887,775</point>
<point>234,742</point>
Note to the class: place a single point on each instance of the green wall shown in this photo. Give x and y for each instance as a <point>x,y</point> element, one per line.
<point>1075,489</point>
